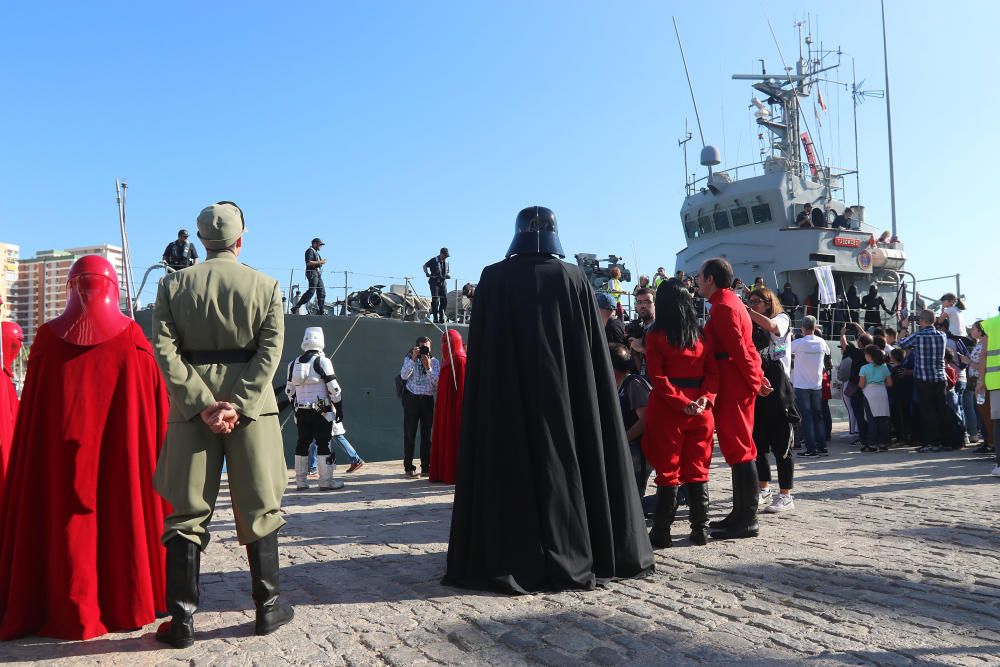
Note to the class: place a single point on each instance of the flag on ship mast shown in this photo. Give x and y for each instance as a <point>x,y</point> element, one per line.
<point>819,98</point>
<point>827,287</point>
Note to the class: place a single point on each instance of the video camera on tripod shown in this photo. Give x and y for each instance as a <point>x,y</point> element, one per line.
<point>600,275</point>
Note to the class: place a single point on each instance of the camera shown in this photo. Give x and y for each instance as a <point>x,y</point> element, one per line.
<point>424,350</point>
<point>635,329</point>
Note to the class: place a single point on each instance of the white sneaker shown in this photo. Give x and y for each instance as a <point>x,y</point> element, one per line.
<point>764,496</point>
<point>781,503</point>
<point>996,471</point>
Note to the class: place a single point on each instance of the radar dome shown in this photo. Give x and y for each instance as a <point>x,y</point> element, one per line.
<point>710,156</point>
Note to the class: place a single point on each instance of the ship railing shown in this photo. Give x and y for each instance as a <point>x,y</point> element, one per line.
<point>693,186</point>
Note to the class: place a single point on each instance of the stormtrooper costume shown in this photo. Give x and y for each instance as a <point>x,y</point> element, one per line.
<point>316,397</point>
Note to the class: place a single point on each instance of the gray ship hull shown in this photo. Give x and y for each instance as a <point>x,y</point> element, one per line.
<point>371,354</point>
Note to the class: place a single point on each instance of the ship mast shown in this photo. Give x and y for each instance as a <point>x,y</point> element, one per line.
<point>888,116</point>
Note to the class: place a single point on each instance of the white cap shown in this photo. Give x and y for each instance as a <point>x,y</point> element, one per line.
<point>313,339</point>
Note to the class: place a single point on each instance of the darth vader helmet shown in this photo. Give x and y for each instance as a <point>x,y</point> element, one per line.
<point>536,233</point>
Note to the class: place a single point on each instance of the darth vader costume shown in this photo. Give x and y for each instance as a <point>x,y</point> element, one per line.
<point>545,499</point>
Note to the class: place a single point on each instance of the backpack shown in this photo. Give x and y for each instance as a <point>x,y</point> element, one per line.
<point>400,385</point>
<point>844,369</point>
<point>182,256</point>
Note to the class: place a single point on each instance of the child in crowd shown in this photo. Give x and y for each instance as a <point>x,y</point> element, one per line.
<point>899,396</point>
<point>873,379</point>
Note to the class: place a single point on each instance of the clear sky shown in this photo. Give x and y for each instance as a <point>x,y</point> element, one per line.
<point>390,129</point>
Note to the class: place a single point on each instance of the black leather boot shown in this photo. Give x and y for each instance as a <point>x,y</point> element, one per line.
<point>666,507</point>
<point>744,522</point>
<point>697,493</point>
<point>723,523</point>
<point>183,563</point>
<point>271,612</point>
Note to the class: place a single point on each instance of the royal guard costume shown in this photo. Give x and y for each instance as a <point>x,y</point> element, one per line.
<point>11,339</point>
<point>80,553</point>
<point>312,387</point>
<point>448,408</point>
<point>729,333</point>
<point>679,445</point>
<point>539,391</point>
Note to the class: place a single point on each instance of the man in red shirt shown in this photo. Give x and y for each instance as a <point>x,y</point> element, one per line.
<point>729,333</point>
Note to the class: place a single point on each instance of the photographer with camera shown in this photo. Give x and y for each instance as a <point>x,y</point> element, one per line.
<point>437,271</point>
<point>645,312</point>
<point>421,372</point>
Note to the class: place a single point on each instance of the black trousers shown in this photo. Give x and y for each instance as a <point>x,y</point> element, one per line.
<point>439,298</point>
<point>775,438</point>
<point>417,411</point>
<point>932,401</point>
<point>312,425</point>
<point>316,287</point>
<point>859,406</point>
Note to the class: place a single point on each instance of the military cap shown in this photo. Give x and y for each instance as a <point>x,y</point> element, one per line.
<point>220,224</point>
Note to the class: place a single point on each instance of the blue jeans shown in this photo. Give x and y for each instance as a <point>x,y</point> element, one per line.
<point>352,455</point>
<point>810,405</point>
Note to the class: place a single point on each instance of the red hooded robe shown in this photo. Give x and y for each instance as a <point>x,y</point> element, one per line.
<point>80,524</point>
<point>448,409</point>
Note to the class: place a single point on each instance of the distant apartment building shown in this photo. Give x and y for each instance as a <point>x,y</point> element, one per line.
<point>9,255</point>
<point>40,293</point>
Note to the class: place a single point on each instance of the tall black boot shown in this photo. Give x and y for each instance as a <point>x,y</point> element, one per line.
<point>744,522</point>
<point>724,523</point>
<point>183,564</point>
<point>698,511</point>
<point>666,507</point>
<point>271,612</point>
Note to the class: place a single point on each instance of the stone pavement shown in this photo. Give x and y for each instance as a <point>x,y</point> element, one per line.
<point>888,559</point>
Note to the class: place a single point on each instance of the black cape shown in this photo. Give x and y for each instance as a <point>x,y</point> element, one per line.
<point>545,499</point>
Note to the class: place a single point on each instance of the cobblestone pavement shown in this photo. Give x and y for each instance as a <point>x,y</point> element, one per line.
<point>888,559</point>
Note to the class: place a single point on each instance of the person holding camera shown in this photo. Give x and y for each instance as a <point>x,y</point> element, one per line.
<point>437,271</point>
<point>314,274</point>
<point>421,372</point>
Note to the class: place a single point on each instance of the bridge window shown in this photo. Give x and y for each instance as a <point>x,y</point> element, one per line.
<point>740,216</point>
<point>691,229</point>
<point>705,225</point>
<point>761,213</point>
<point>721,219</point>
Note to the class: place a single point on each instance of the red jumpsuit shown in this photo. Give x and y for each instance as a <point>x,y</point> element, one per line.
<point>729,334</point>
<point>679,446</point>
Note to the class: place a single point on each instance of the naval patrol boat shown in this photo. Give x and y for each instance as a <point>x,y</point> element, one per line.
<point>748,213</point>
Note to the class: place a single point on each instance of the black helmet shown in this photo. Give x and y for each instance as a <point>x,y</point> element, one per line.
<point>536,233</point>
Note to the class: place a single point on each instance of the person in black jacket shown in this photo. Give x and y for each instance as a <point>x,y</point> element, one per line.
<point>437,271</point>
<point>870,303</point>
<point>180,254</point>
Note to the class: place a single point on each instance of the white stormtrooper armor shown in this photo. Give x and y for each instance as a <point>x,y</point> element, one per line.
<point>312,385</point>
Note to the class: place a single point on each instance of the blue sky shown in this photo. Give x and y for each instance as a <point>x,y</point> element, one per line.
<point>392,128</point>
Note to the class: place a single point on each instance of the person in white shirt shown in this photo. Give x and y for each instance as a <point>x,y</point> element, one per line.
<point>952,309</point>
<point>767,313</point>
<point>809,353</point>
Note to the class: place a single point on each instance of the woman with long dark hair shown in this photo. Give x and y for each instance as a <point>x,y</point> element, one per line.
<point>677,439</point>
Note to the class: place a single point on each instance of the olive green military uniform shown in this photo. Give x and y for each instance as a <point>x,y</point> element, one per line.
<point>217,332</point>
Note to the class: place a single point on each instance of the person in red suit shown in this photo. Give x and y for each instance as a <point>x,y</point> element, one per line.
<point>11,338</point>
<point>729,333</point>
<point>448,409</point>
<point>677,439</point>
<point>80,523</point>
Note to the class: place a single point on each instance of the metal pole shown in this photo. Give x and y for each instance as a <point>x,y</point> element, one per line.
<point>958,285</point>
<point>288,300</point>
<point>888,116</point>
<point>857,159</point>
<point>690,87</point>
<point>344,310</point>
